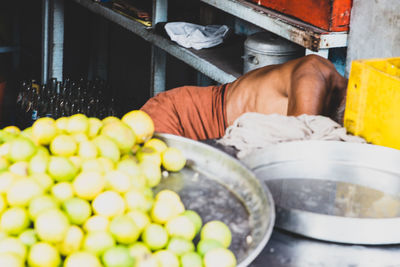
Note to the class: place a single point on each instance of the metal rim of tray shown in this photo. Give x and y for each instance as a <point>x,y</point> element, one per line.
<point>364,160</point>
<point>213,158</point>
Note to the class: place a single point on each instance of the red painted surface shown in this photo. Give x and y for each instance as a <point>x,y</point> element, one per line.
<point>330,15</point>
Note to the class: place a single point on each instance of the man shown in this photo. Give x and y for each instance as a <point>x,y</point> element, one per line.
<point>308,85</point>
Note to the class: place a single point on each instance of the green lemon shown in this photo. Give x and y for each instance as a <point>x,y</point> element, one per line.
<point>98,242</point>
<point>88,185</point>
<point>62,191</point>
<point>136,199</point>
<point>96,223</point>
<point>44,130</point>
<point>191,259</point>
<point>140,218</point>
<point>124,229</point>
<point>206,245</point>
<point>180,246</point>
<point>109,204</point>
<point>117,256</point>
<point>78,210</point>
<point>118,181</point>
<point>217,230</point>
<point>42,179</point>
<point>63,145</point>
<point>152,172</point>
<point>195,218</point>
<point>21,149</point>
<point>61,169</point>
<point>28,237</point>
<point>38,163</point>
<point>14,221</point>
<point>78,123</point>
<point>155,236</point>
<point>87,150</point>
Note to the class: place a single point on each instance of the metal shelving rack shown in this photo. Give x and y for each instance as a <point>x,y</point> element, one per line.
<point>216,63</point>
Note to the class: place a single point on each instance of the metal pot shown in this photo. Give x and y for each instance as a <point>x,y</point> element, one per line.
<point>265,48</point>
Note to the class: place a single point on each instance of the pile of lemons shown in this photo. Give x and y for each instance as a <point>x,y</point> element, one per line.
<point>77,192</point>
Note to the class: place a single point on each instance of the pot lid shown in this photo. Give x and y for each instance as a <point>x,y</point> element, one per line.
<point>267,42</point>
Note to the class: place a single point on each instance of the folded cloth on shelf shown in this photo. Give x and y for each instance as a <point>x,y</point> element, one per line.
<point>253,131</point>
<point>195,36</point>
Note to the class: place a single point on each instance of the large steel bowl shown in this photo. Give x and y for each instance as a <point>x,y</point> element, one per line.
<point>219,187</point>
<point>333,191</point>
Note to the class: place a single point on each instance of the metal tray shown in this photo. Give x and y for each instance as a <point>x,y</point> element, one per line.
<point>333,191</point>
<point>219,187</point>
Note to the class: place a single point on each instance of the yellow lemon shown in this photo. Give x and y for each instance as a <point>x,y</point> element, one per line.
<point>62,191</point>
<point>43,180</point>
<point>23,191</point>
<point>19,168</point>
<point>11,260</point>
<point>28,237</point>
<point>4,163</point>
<point>109,204</point>
<point>94,127</point>
<point>80,137</point>
<point>41,204</point>
<point>140,218</point>
<point>152,172</point>
<point>167,258</point>
<point>13,245</point>
<point>62,124</point>
<point>6,181</point>
<point>96,223</point>
<point>181,226</point>
<point>78,123</point>
<point>87,150</point>
<point>108,164</point>
<point>92,165</point>
<point>118,181</point>
<point>157,144</point>
<point>107,148</point>
<point>219,257</point>
<point>43,254</point>
<point>52,225</point>
<point>141,124</point>
<point>173,159</point>
<point>81,258</point>
<point>149,154</point>
<point>63,145</point>
<point>139,250</point>
<point>110,119</point>
<point>191,259</point>
<point>78,210</point>
<point>72,242</point>
<point>88,185</point>
<point>44,130</point>
<point>163,211</point>
<point>121,134</point>
<point>118,256</point>
<point>3,204</point>
<point>12,129</point>
<point>136,199</point>
<point>155,236</point>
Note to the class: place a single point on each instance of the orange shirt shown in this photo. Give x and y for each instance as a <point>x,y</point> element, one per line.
<point>194,112</point>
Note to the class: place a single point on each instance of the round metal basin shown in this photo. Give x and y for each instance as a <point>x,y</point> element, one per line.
<point>334,191</point>
<point>219,187</point>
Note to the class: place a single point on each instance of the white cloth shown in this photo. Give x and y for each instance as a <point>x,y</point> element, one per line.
<point>253,131</point>
<point>195,36</point>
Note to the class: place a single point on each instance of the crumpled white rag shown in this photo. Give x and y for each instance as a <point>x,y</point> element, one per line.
<point>253,131</point>
<point>195,36</point>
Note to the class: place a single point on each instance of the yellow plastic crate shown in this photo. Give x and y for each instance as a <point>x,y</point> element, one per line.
<point>373,101</point>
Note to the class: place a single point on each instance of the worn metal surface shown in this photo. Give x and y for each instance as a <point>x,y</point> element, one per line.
<point>301,33</point>
<point>217,69</point>
<point>374,31</point>
<point>334,191</point>
<point>219,187</point>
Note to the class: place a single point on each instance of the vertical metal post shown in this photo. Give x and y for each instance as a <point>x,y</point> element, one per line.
<point>56,49</point>
<point>158,56</point>
<point>45,40</point>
